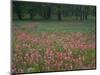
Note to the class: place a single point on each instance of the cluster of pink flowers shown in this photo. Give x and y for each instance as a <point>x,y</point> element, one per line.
<point>26,37</point>
<point>23,36</point>
<point>28,55</point>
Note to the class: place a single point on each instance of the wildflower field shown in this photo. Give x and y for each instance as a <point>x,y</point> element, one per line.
<point>53,46</point>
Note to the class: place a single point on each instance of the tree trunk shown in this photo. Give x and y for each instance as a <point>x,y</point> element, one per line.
<point>18,10</point>
<point>59,13</point>
<point>59,16</point>
<point>48,12</point>
<point>31,14</point>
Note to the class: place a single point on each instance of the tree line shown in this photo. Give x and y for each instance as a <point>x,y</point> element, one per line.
<point>47,11</point>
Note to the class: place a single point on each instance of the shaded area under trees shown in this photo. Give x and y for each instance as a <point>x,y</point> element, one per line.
<point>47,11</point>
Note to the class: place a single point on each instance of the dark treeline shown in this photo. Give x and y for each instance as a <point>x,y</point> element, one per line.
<point>48,11</point>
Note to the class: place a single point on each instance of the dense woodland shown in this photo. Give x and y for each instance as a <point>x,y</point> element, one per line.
<point>49,11</point>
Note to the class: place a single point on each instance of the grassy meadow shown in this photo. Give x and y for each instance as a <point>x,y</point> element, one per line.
<point>42,46</point>
<point>49,37</point>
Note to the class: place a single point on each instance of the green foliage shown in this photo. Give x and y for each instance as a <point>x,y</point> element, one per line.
<point>89,56</point>
<point>29,10</point>
<point>77,53</point>
<point>58,47</point>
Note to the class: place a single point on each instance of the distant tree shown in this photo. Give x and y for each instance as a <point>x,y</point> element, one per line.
<point>32,10</point>
<point>17,9</point>
<point>47,11</point>
<point>59,12</point>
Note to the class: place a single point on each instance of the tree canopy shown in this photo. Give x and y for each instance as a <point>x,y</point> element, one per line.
<point>49,11</point>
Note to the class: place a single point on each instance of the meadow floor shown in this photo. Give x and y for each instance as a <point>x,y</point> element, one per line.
<point>53,46</point>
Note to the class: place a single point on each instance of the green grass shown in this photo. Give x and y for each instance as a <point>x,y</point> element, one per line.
<point>89,56</point>
<point>63,26</point>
